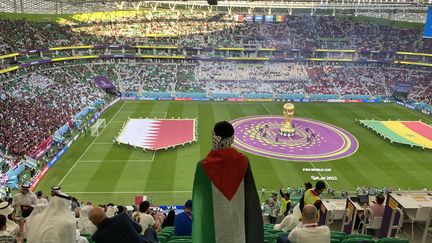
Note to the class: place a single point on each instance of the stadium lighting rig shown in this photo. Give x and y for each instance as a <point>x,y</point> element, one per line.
<point>224,6</point>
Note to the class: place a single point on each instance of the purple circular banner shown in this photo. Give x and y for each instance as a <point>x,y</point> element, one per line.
<point>313,140</point>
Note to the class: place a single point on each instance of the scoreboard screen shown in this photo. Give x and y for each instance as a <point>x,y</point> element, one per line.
<point>428,26</point>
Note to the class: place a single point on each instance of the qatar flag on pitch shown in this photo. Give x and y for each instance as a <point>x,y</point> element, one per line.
<point>155,134</point>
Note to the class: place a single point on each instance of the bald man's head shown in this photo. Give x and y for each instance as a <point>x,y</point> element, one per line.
<point>310,214</point>
<point>97,215</point>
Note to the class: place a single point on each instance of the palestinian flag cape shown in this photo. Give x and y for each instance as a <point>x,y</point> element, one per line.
<point>226,207</point>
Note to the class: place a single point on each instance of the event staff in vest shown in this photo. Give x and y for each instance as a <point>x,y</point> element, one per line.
<point>312,196</point>
<point>23,201</point>
<point>286,203</point>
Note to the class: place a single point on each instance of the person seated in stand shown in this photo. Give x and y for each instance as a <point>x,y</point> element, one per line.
<point>378,207</point>
<point>308,231</point>
<point>183,221</point>
<point>85,226</point>
<point>143,217</point>
<point>55,223</point>
<point>5,237</point>
<point>7,211</point>
<point>40,199</point>
<point>169,220</point>
<point>117,229</point>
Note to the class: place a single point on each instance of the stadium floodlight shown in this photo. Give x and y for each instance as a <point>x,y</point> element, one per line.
<point>97,127</point>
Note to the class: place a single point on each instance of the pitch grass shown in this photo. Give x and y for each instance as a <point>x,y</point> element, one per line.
<point>96,170</point>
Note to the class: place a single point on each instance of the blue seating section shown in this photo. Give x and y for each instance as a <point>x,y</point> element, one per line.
<point>258,96</point>
<point>192,95</point>
<point>323,96</point>
<point>224,95</point>
<point>156,95</point>
<point>290,96</point>
<point>357,97</point>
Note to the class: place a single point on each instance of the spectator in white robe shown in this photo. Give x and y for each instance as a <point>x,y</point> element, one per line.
<point>55,223</point>
<point>111,211</point>
<point>37,209</point>
<point>40,198</point>
<point>85,226</point>
<point>290,221</point>
<point>5,237</point>
<point>11,227</point>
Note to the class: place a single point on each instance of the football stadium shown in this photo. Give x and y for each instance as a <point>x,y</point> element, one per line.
<point>216,121</point>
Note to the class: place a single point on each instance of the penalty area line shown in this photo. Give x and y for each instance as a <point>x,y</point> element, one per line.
<point>82,155</point>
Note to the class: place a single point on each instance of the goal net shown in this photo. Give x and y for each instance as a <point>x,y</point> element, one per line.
<point>97,127</point>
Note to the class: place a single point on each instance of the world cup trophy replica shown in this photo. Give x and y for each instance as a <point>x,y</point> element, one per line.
<point>287,128</point>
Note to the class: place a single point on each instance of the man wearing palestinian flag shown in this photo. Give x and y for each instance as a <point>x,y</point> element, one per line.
<point>226,204</point>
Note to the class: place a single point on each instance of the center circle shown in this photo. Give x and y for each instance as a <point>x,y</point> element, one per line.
<point>313,140</point>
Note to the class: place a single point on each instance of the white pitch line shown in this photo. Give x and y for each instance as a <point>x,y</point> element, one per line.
<point>267,109</point>
<point>154,153</point>
<point>319,173</point>
<point>82,155</point>
<point>116,161</point>
<point>290,138</point>
<point>136,192</point>
<point>147,112</point>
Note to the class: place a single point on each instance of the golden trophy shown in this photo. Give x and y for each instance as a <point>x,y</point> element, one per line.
<point>288,112</point>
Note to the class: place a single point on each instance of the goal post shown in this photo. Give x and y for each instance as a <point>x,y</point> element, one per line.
<point>97,127</point>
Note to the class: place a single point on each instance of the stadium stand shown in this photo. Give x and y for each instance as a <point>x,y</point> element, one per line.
<point>27,119</point>
<point>38,100</point>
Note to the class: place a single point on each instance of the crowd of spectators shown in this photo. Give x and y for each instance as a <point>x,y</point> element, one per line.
<point>201,29</point>
<point>246,78</point>
<point>34,105</point>
<point>421,89</point>
<point>346,80</point>
<point>59,217</point>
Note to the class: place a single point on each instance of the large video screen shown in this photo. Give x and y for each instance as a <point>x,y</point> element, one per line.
<point>428,26</point>
<point>269,18</point>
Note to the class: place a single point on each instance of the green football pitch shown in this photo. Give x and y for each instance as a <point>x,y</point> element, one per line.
<point>94,169</point>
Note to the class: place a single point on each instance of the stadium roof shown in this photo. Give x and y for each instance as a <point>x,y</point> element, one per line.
<point>334,7</point>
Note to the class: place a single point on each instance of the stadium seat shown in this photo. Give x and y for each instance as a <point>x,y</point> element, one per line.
<point>370,222</point>
<point>180,241</point>
<point>167,235</point>
<point>271,238</point>
<point>162,239</point>
<point>272,231</point>
<point>392,240</point>
<point>282,233</point>
<point>338,233</point>
<point>361,236</point>
<point>175,237</point>
<point>422,215</point>
<point>333,240</point>
<point>358,240</point>
<point>337,237</point>
<point>88,237</point>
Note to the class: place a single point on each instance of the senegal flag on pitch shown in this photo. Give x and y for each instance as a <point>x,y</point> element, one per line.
<point>413,133</point>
